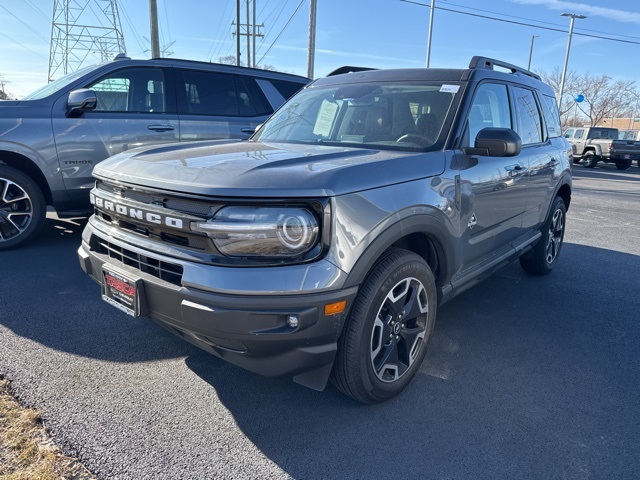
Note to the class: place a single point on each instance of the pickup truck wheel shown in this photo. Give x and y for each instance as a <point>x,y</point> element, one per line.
<point>623,164</point>
<point>590,159</point>
<point>542,258</point>
<point>385,338</point>
<point>22,208</point>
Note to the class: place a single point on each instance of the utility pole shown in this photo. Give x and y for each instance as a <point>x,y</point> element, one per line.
<point>238,32</point>
<point>432,9</point>
<point>153,19</point>
<point>533,37</point>
<point>251,31</point>
<point>311,54</point>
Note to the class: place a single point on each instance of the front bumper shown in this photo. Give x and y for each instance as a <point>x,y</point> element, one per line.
<point>246,329</point>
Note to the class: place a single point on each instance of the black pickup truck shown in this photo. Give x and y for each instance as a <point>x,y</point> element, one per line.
<point>591,145</point>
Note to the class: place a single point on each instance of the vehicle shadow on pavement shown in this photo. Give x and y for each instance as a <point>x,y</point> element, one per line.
<point>46,297</point>
<point>606,172</point>
<point>526,377</point>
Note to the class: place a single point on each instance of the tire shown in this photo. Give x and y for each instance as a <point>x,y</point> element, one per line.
<point>543,257</point>
<point>22,208</point>
<point>590,159</point>
<point>623,164</point>
<point>382,345</point>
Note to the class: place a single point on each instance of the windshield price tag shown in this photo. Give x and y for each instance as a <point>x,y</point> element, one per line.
<point>449,88</point>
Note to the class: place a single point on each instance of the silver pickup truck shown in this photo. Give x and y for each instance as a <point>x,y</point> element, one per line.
<point>591,145</point>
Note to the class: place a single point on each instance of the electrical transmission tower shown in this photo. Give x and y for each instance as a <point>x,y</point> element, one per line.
<point>83,30</point>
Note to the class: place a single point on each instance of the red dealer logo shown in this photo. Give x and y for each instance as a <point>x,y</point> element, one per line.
<point>120,285</point>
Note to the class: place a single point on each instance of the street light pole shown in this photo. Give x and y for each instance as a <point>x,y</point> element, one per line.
<point>430,32</point>
<point>533,37</point>
<point>566,57</point>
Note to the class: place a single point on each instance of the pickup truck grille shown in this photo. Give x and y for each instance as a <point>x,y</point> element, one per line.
<point>169,272</point>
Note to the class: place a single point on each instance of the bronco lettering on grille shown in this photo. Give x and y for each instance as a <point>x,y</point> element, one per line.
<point>136,213</point>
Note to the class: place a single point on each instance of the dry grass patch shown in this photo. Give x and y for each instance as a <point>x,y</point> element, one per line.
<point>26,450</point>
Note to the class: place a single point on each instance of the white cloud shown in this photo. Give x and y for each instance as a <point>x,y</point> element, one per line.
<point>585,9</point>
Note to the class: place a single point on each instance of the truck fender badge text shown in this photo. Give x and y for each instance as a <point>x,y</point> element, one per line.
<point>136,213</point>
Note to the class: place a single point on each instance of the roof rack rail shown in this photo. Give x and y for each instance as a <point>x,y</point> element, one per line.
<point>489,63</point>
<point>347,69</point>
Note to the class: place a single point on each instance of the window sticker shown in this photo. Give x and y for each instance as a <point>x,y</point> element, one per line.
<point>326,115</point>
<point>450,88</point>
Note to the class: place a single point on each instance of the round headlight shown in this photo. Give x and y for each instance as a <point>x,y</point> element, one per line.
<point>243,231</point>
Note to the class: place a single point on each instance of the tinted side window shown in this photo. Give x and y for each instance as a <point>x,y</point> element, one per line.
<point>131,90</point>
<point>257,98</point>
<point>579,134</point>
<point>529,124</point>
<point>286,89</point>
<point>490,108</point>
<point>551,115</point>
<point>209,93</point>
<point>568,133</point>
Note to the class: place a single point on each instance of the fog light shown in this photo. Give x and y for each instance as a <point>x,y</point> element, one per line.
<point>292,321</point>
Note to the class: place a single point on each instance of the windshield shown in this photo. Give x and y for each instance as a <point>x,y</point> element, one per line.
<point>379,115</point>
<point>56,85</point>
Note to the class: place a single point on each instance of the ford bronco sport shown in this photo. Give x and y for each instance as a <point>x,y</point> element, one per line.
<point>51,139</point>
<point>321,248</point>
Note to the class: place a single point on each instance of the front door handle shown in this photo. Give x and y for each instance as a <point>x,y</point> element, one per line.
<point>164,127</point>
<point>515,170</point>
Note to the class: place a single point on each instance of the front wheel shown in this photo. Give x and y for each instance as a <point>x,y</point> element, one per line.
<point>544,255</point>
<point>590,160</point>
<point>623,164</point>
<point>385,338</point>
<point>22,208</point>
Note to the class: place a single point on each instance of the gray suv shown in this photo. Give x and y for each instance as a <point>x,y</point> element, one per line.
<point>51,140</point>
<point>321,248</point>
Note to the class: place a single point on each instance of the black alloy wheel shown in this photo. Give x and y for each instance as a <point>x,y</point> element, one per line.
<point>388,329</point>
<point>544,255</point>
<point>22,208</point>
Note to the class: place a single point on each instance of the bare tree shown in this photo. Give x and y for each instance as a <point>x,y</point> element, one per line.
<point>604,97</point>
<point>4,95</point>
<point>231,60</point>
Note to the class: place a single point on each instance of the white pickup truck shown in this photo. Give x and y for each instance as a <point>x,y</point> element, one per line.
<point>591,145</point>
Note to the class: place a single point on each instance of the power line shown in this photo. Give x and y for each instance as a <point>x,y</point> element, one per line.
<point>23,46</point>
<point>524,24</point>
<point>215,36</point>
<point>25,24</point>
<point>282,31</point>
<point>42,14</point>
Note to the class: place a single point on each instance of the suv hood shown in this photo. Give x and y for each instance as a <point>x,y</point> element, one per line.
<point>253,169</point>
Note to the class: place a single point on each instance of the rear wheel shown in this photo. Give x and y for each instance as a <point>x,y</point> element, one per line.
<point>542,258</point>
<point>623,164</point>
<point>385,338</point>
<point>22,208</point>
<point>590,159</point>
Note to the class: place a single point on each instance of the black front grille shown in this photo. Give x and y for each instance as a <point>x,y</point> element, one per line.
<point>193,207</point>
<point>169,272</point>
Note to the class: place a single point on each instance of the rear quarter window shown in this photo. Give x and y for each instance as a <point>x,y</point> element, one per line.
<point>551,116</point>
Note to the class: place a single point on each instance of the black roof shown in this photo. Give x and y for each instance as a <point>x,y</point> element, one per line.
<point>480,68</point>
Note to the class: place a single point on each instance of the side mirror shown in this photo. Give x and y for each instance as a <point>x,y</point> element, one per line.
<point>80,101</point>
<point>496,142</point>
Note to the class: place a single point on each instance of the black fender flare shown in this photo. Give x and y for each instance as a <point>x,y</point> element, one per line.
<point>426,224</point>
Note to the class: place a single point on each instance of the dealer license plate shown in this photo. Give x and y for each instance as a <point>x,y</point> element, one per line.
<point>627,156</point>
<point>122,291</point>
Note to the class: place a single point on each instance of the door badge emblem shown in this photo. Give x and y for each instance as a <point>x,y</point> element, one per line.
<point>472,221</point>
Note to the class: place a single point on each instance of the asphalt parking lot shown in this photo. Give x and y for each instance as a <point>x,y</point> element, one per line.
<point>527,377</point>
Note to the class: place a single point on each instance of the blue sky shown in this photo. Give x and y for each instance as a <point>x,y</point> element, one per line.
<point>376,33</point>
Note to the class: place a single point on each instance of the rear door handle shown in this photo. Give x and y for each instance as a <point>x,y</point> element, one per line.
<point>248,130</point>
<point>161,128</point>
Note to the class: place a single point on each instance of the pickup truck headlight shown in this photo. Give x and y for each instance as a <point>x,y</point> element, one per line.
<point>240,231</point>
